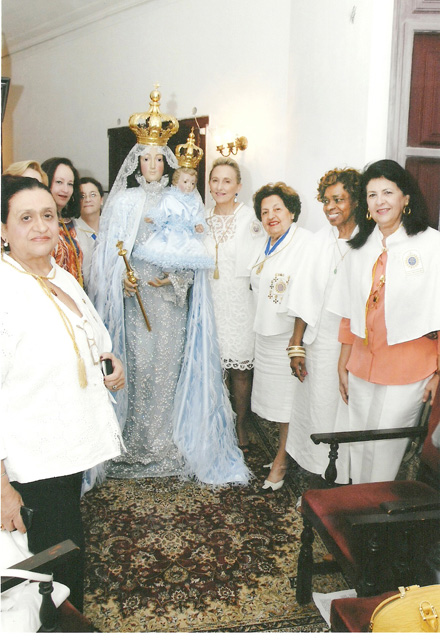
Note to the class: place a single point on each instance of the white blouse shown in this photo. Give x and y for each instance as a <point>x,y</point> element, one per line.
<point>50,425</point>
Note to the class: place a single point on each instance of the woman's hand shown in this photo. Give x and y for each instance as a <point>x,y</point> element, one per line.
<point>431,387</point>
<point>298,363</point>
<point>298,366</point>
<point>157,282</point>
<point>130,288</point>
<point>343,372</point>
<point>343,385</point>
<point>115,380</point>
<point>11,503</point>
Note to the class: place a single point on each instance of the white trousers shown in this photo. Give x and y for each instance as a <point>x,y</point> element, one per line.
<point>376,406</point>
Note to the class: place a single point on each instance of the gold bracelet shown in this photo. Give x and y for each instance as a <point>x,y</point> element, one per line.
<point>296,351</point>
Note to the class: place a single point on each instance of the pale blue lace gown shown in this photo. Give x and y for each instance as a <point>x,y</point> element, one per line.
<point>153,365</point>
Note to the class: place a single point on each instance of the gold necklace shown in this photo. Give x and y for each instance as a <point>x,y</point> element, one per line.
<point>82,376</point>
<point>335,270</point>
<point>258,266</point>
<point>216,275</point>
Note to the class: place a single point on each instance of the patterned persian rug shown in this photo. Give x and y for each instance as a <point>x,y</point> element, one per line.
<point>170,556</point>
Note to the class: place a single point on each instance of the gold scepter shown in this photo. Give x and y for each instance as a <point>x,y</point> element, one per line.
<point>132,278</point>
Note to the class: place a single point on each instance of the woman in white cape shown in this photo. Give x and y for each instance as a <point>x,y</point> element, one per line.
<point>388,294</point>
<point>278,207</point>
<point>317,406</point>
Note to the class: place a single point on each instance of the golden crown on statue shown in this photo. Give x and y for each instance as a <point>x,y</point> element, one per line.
<point>152,126</point>
<point>189,155</point>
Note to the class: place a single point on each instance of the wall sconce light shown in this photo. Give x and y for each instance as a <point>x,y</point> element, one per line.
<point>228,148</point>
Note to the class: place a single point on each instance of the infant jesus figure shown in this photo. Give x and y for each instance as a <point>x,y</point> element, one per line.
<point>179,224</point>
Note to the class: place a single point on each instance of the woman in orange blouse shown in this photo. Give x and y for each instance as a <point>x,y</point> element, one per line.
<point>389,297</point>
<point>64,186</point>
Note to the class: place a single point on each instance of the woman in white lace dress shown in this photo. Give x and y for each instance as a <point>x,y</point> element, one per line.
<point>234,237</point>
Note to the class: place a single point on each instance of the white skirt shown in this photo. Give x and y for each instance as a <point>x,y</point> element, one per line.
<point>273,386</point>
<point>376,406</point>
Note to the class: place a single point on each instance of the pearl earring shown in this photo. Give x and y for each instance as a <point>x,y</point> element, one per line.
<point>235,198</point>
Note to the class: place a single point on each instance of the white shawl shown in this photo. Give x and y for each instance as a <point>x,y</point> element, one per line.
<point>412,284</point>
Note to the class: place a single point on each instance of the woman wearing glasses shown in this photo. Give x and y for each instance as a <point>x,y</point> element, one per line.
<point>58,419</point>
<point>87,225</point>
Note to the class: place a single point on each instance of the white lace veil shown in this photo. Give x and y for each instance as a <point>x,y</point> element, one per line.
<point>130,165</point>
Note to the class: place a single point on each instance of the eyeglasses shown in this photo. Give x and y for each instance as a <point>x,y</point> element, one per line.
<point>92,195</point>
<point>93,347</point>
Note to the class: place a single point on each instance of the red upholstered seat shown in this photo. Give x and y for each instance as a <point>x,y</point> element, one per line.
<point>332,506</point>
<point>377,546</point>
<point>353,615</point>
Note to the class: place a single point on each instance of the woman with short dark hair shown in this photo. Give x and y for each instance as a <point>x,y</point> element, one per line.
<point>57,416</point>
<point>278,207</point>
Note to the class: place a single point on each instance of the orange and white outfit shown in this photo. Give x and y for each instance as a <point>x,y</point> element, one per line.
<point>390,300</point>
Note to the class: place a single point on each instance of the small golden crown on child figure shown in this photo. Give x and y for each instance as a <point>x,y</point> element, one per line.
<point>152,126</point>
<point>189,155</point>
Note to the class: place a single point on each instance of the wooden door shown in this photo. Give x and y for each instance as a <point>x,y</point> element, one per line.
<point>424,121</point>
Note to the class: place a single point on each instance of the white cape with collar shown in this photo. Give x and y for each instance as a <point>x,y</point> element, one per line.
<point>308,292</point>
<point>412,284</point>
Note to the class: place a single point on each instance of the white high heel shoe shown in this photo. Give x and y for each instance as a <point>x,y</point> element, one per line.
<point>268,484</point>
<point>268,466</point>
<point>273,485</point>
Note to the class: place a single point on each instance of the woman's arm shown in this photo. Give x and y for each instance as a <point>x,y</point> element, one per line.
<point>298,363</point>
<point>11,504</point>
<point>432,385</point>
<point>342,370</point>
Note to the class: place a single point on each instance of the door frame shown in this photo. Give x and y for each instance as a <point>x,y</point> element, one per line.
<point>410,17</point>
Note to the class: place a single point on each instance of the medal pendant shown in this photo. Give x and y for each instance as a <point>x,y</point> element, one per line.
<point>259,269</point>
<point>216,275</point>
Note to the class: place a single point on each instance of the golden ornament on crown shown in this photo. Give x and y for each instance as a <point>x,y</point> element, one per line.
<point>189,155</point>
<point>153,127</point>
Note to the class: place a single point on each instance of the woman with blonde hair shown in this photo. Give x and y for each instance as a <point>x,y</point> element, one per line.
<point>27,169</point>
<point>234,237</point>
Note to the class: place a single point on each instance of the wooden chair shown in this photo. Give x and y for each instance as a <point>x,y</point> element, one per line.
<point>66,618</point>
<point>379,533</point>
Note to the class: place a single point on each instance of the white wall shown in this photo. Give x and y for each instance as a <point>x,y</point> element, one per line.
<point>340,59</point>
<point>296,77</point>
